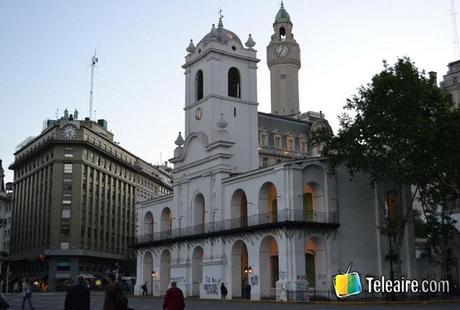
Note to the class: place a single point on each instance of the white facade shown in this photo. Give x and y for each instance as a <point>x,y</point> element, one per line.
<point>285,229</point>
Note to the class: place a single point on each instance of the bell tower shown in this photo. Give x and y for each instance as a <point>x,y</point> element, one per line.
<point>283,60</point>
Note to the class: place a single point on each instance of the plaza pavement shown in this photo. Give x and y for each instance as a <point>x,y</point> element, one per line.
<point>55,301</point>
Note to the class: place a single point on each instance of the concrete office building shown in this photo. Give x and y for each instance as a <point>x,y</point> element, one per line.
<point>74,195</point>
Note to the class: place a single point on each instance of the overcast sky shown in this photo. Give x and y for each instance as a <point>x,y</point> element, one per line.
<point>46,46</point>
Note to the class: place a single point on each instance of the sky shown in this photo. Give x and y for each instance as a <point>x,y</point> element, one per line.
<point>46,47</point>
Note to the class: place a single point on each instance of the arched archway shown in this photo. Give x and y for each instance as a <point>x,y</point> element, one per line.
<point>199,83</point>
<point>199,213</point>
<point>234,83</point>
<point>148,224</point>
<point>315,262</point>
<point>165,271</point>
<point>268,203</point>
<point>239,265</point>
<point>166,222</point>
<point>197,270</point>
<point>268,267</point>
<point>239,209</point>
<point>148,269</point>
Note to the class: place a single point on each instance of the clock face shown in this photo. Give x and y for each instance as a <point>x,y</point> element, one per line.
<point>199,113</point>
<point>281,50</point>
<point>69,132</point>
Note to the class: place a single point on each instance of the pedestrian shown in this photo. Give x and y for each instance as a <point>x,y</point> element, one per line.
<point>78,296</point>
<point>16,287</point>
<point>115,298</point>
<point>174,299</point>
<point>27,294</point>
<point>144,288</point>
<point>248,291</point>
<point>223,291</point>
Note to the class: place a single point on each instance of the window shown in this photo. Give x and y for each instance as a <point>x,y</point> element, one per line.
<point>290,144</point>
<point>282,34</point>
<point>265,162</point>
<point>63,264</point>
<point>234,86</point>
<point>66,213</point>
<point>66,202</point>
<point>263,139</point>
<point>67,168</point>
<point>303,146</point>
<point>283,76</point>
<point>68,152</point>
<point>455,80</point>
<point>64,245</point>
<point>199,85</point>
<point>277,141</point>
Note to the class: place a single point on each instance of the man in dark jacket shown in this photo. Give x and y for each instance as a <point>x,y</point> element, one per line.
<point>114,298</point>
<point>78,296</point>
<point>174,299</point>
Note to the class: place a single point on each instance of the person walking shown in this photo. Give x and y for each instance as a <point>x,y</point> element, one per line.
<point>144,288</point>
<point>115,298</point>
<point>27,294</point>
<point>78,296</point>
<point>223,291</point>
<point>174,298</point>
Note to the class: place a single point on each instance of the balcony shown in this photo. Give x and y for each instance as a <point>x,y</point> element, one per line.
<point>282,218</point>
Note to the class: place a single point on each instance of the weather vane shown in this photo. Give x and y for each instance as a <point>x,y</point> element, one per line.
<point>220,13</point>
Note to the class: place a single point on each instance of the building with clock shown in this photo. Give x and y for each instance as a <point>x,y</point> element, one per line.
<point>74,195</point>
<point>253,202</point>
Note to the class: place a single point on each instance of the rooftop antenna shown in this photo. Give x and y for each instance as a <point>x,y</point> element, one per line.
<point>453,14</point>
<point>94,61</point>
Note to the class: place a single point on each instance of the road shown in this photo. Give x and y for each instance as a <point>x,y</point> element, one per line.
<point>55,301</point>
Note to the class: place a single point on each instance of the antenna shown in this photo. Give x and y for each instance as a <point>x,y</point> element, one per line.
<point>94,61</point>
<point>453,14</point>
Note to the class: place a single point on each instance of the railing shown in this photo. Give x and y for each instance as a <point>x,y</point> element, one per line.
<point>253,221</point>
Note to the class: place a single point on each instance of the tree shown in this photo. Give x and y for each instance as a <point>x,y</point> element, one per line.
<point>402,127</point>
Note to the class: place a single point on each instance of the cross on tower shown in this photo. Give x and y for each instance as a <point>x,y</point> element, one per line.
<point>220,13</point>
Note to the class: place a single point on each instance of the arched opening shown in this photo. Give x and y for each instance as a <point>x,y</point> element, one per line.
<point>199,213</point>
<point>199,85</point>
<point>240,268</point>
<point>148,269</point>
<point>308,203</point>
<point>197,270</point>
<point>268,203</point>
<point>234,83</point>
<point>165,271</point>
<point>269,268</point>
<point>315,263</point>
<point>282,34</point>
<point>166,222</point>
<point>148,224</point>
<point>239,210</point>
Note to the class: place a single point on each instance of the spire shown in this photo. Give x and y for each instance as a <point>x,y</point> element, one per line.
<point>191,47</point>
<point>220,24</point>
<point>282,16</point>
<point>250,42</point>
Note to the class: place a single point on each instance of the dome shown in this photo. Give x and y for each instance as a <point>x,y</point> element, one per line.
<point>282,16</point>
<point>220,34</point>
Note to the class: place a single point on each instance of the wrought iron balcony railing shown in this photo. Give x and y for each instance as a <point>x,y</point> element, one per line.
<point>264,220</point>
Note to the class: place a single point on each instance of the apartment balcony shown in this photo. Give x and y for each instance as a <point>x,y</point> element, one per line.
<point>283,218</point>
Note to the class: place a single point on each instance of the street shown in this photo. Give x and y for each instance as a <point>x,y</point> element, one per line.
<point>55,301</point>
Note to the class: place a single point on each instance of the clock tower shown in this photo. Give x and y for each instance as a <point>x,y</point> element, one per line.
<point>283,59</point>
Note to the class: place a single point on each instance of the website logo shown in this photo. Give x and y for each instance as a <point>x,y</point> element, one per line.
<point>347,284</point>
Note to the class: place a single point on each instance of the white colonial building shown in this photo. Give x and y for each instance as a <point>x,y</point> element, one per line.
<point>253,202</point>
